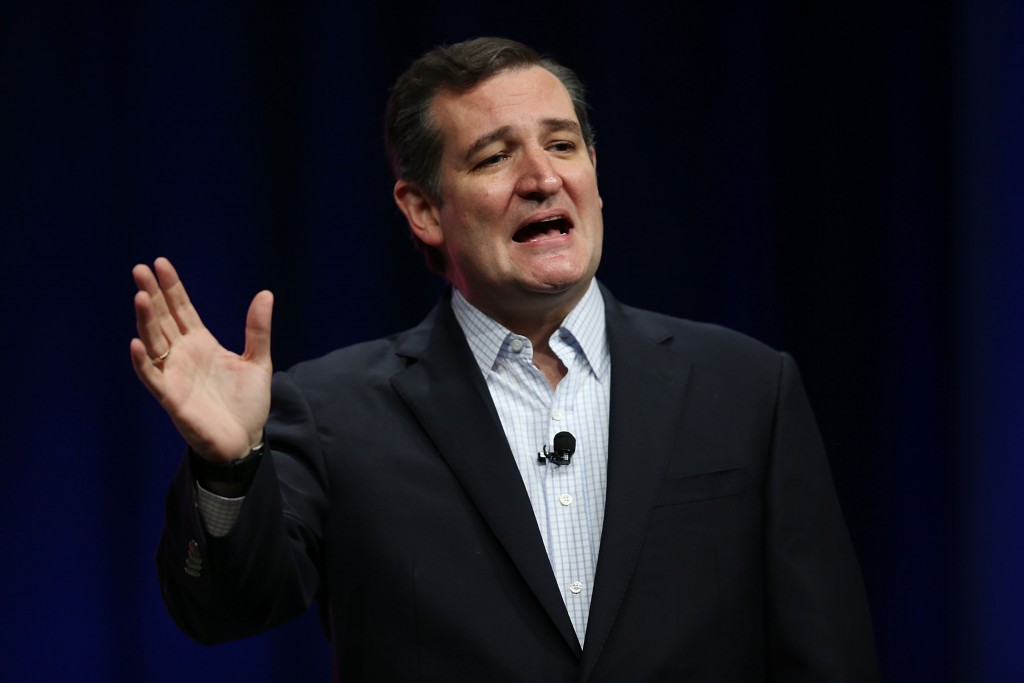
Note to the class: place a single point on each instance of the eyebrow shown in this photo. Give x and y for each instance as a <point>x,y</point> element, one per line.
<point>552,125</point>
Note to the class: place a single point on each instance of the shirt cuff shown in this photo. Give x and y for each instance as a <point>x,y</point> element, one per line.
<point>219,513</point>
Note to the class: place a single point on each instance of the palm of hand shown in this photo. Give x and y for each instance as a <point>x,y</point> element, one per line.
<point>218,400</point>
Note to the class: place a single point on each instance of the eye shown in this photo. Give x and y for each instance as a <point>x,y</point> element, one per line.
<point>562,147</point>
<point>492,160</point>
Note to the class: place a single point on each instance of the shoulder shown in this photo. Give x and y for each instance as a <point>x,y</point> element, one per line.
<point>701,341</point>
<point>719,366</point>
<point>369,361</point>
<point>365,358</point>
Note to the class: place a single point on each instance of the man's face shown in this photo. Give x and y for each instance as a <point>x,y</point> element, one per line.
<point>521,223</point>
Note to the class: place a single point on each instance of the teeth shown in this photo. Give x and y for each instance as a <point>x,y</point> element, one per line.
<point>553,218</point>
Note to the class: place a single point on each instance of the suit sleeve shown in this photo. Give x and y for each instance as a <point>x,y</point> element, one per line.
<point>818,624</point>
<point>266,570</point>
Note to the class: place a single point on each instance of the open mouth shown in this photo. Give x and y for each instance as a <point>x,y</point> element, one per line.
<point>549,227</point>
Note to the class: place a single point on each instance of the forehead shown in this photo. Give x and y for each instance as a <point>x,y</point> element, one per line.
<point>519,99</point>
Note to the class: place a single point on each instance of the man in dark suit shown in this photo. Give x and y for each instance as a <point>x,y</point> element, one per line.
<point>419,488</point>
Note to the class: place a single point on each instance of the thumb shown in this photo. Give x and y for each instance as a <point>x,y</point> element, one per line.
<point>257,328</point>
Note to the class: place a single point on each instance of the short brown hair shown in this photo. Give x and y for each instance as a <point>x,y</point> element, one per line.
<point>414,143</point>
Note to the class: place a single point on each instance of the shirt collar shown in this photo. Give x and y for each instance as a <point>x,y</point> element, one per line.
<point>585,323</point>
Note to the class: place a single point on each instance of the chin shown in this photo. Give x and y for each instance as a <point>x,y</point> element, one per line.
<point>558,285</point>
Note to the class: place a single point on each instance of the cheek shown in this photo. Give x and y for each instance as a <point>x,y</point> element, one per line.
<point>490,201</point>
<point>584,185</point>
<point>480,203</point>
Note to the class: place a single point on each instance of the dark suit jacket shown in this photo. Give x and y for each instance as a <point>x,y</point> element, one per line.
<point>391,497</point>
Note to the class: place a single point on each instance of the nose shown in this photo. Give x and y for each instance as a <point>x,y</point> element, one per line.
<point>538,178</point>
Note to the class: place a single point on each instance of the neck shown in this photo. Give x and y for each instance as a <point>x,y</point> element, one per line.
<point>536,319</point>
<point>539,331</point>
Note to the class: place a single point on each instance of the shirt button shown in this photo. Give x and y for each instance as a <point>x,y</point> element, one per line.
<point>575,587</point>
<point>565,499</point>
<point>556,415</point>
<point>516,345</point>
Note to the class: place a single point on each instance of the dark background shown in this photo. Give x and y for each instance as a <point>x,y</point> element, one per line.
<point>842,181</point>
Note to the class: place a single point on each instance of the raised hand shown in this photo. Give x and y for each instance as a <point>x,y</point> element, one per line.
<point>218,400</point>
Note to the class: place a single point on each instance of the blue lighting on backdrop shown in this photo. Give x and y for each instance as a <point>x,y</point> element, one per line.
<point>846,184</point>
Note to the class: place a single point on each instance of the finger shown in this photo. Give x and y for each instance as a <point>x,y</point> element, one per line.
<point>147,282</point>
<point>150,332</point>
<point>150,375</point>
<point>178,303</point>
<point>257,328</point>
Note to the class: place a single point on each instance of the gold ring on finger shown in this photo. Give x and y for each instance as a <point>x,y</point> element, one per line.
<point>161,358</point>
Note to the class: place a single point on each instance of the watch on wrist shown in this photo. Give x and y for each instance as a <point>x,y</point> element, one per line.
<point>239,471</point>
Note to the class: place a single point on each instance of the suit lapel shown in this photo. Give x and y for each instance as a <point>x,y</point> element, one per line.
<point>446,392</point>
<point>648,387</point>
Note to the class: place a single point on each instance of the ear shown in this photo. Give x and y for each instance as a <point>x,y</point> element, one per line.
<point>593,160</point>
<point>422,213</point>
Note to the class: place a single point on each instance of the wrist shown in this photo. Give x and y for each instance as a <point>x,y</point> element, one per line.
<point>230,479</point>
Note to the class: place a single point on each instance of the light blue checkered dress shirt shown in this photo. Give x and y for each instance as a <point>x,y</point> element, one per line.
<point>568,501</point>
